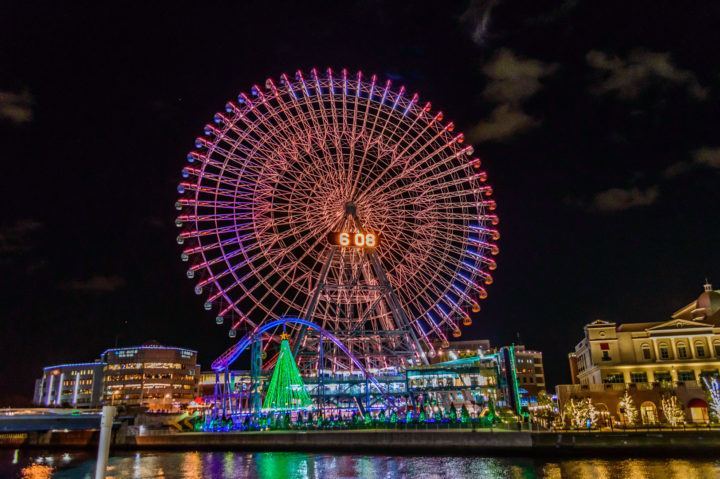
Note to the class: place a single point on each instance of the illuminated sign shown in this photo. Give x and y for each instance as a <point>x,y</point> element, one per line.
<point>354,240</point>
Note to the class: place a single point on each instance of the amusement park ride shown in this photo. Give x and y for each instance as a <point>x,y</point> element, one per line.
<point>344,228</point>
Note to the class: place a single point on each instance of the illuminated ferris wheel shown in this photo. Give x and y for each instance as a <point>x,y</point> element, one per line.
<point>339,199</point>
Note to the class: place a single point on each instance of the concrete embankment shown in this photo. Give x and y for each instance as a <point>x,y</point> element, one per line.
<point>396,442</point>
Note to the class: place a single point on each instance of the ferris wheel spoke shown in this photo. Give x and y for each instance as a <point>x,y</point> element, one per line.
<point>283,275</point>
<point>425,161</point>
<point>400,158</point>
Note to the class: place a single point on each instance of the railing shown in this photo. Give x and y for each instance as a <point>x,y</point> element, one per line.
<point>155,431</point>
<point>441,425</point>
<point>690,384</point>
<point>579,388</point>
<point>657,427</point>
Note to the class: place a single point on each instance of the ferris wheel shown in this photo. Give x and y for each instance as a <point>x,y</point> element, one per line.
<point>340,199</point>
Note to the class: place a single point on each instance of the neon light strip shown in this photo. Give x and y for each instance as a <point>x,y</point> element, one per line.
<point>49,390</point>
<point>58,396</point>
<point>72,365</point>
<point>75,391</point>
<point>174,348</point>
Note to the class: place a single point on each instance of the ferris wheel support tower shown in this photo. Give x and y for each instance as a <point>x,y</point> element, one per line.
<point>398,341</point>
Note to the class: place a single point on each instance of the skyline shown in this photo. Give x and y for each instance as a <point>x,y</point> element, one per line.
<point>602,153</point>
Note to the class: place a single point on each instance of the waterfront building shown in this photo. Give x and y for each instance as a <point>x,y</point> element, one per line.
<point>650,360</point>
<point>528,371</point>
<point>471,380</point>
<point>152,375</point>
<point>460,349</point>
<point>461,373</point>
<point>78,385</point>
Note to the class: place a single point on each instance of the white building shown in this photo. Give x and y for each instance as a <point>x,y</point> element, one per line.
<point>70,385</point>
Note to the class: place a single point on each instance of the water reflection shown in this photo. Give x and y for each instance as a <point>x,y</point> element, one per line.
<point>36,471</point>
<point>293,465</point>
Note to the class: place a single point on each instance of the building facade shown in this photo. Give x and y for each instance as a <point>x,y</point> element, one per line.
<point>153,376</point>
<point>528,371</point>
<point>651,360</point>
<point>77,385</point>
<point>469,381</point>
<point>460,373</point>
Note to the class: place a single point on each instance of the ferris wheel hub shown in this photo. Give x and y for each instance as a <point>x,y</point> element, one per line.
<point>351,208</point>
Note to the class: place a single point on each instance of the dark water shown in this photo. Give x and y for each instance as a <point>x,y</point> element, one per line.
<point>276,465</point>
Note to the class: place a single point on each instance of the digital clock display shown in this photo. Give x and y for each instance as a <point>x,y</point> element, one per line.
<point>354,240</point>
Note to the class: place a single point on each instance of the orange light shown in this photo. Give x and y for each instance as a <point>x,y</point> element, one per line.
<point>344,239</point>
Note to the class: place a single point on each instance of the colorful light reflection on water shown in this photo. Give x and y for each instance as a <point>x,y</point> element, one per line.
<point>298,465</point>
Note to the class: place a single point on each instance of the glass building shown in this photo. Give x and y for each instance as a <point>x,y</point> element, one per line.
<point>158,377</point>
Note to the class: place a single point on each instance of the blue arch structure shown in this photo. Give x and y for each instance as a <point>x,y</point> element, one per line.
<point>230,356</point>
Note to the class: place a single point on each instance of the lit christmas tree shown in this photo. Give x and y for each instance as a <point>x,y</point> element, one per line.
<point>629,411</point>
<point>286,390</point>
<point>464,415</point>
<point>422,417</point>
<point>452,413</point>
<point>713,389</point>
<point>672,411</point>
<point>582,413</point>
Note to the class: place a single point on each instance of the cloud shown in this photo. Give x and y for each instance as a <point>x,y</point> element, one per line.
<point>505,121</point>
<point>511,80</point>
<point>16,107</point>
<point>15,237</point>
<point>477,16</point>
<point>514,79</point>
<point>676,169</point>
<point>707,157</point>
<point>618,199</point>
<point>95,284</point>
<point>630,76</point>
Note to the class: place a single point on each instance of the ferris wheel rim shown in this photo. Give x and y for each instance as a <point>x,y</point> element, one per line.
<point>454,257</point>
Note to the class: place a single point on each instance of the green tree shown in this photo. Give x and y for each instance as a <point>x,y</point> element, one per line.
<point>464,415</point>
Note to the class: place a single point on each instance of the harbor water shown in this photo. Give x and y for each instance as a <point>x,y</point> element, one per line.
<point>38,464</point>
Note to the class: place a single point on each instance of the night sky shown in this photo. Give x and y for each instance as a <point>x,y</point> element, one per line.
<point>598,123</point>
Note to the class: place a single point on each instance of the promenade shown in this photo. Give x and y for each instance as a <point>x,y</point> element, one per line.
<point>481,442</point>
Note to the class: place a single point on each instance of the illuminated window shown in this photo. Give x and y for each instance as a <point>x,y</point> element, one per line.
<point>663,377</point>
<point>664,353</point>
<point>686,376</point>
<point>646,351</point>
<point>682,351</point>
<point>648,413</point>
<point>614,378</point>
<point>638,377</point>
